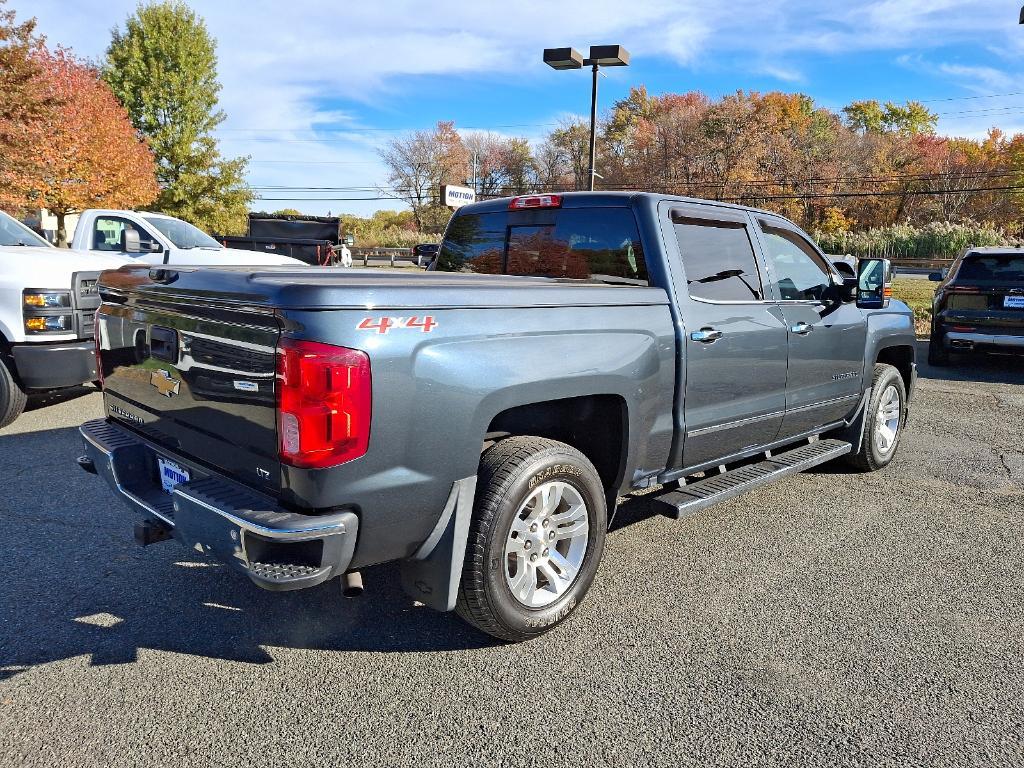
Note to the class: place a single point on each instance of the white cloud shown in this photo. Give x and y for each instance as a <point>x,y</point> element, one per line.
<point>781,72</point>
<point>984,78</point>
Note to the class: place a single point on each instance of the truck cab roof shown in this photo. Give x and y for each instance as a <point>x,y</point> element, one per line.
<point>606,199</point>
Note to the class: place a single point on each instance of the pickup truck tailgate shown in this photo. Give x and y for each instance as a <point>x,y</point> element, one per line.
<point>197,379</point>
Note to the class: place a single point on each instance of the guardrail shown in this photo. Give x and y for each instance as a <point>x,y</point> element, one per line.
<point>391,254</point>
<point>936,263</point>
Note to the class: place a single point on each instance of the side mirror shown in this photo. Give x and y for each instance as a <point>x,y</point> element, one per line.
<point>131,241</point>
<point>349,240</point>
<point>935,277</point>
<point>845,268</point>
<point>874,283</point>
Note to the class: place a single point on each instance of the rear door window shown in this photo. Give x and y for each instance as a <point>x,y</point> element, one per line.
<point>598,244</point>
<point>719,260</point>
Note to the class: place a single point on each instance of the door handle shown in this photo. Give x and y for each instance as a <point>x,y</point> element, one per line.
<point>802,329</point>
<point>706,335</point>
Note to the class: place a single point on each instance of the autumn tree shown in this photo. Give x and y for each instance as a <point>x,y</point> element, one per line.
<point>21,102</point>
<point>163,68</point>
<point>502,166</point>
<point>572,139</point>
<point>909,119</point>
<point>869,165</point>
<point>419,164</point>
<point>484,152</point>
<point>86,155</point>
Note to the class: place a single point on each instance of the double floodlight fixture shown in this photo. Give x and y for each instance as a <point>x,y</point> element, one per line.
<point>600,56</point>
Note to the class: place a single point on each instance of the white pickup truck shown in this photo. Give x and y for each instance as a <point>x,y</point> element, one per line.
<point>48,300</point>
<point>154,238</point>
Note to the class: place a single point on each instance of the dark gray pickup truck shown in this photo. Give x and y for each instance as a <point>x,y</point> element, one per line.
<point>480,422</point>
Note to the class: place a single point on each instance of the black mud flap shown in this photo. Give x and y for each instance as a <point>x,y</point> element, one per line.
<point>432,575</point>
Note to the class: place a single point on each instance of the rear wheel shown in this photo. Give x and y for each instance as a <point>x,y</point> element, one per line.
<point>12,396</point>
<point>536,538</point>
<point>886,414</point>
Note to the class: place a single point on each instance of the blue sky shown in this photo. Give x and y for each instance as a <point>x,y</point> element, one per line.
<point>312,89</point>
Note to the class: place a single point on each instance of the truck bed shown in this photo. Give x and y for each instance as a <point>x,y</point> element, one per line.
<point>191,360</point>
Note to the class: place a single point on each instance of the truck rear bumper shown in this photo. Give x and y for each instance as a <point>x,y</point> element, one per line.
<point>275,548</point>
<point>52,366</point>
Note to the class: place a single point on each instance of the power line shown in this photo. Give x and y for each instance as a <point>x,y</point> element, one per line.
<point>325,199</point>
<point>885,193</point>
<point>734,198</point>
<point>969,98</point>
<point>377,129</point>
<point>742,183</point>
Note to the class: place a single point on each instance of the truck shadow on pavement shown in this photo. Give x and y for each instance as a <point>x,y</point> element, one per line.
<point>46,399</point>
<point>77,584</point>
<point>988,369</point>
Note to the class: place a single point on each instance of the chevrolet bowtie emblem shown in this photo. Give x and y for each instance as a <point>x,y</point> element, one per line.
<point>164,384</point>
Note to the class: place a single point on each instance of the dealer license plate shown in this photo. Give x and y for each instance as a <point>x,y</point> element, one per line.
<point>171,474</point>
<point>1013,302</point>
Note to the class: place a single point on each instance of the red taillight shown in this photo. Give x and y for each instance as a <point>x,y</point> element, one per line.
<point>96,346</point>
<point>535,201</point>
<point>323,403</point>
<point>962,328</point>
<point>963,289</point>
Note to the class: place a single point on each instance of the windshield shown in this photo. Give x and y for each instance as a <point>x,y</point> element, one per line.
<point>13,232</point>
<point>183,234</point>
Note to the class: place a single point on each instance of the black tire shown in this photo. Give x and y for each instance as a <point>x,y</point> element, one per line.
<point>12,397</point>
<point>938,355</point>
<point>509,473</point>
<point>872,456</point>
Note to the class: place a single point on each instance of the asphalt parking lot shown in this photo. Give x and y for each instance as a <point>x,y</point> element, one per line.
<point>832,619</point>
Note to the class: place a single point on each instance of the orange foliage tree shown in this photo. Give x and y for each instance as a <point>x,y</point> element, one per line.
<point>85,154</point>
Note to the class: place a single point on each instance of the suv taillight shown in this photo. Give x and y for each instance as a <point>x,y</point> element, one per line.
<point>323,403</point>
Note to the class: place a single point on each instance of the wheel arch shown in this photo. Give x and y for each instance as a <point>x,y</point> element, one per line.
<point>595,425</point>
<point>902,358</point>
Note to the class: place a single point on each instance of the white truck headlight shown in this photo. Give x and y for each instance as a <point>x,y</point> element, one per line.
<point>33,299</point>
<point>44,311</point>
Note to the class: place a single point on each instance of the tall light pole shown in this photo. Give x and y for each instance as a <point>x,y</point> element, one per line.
<point>600,56</point>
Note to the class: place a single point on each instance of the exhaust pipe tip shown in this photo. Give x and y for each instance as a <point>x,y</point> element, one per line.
<point>352,584</point>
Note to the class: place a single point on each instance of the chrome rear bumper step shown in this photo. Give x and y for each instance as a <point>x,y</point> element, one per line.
<point>700,494</point>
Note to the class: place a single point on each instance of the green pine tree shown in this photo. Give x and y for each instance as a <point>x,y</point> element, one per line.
<point>163,68</point>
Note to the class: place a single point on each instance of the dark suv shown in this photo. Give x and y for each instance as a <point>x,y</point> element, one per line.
<point>424,253</point>
<point>979,305</point>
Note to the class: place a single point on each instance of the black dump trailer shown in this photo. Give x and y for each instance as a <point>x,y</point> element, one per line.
<point>311,239</point>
